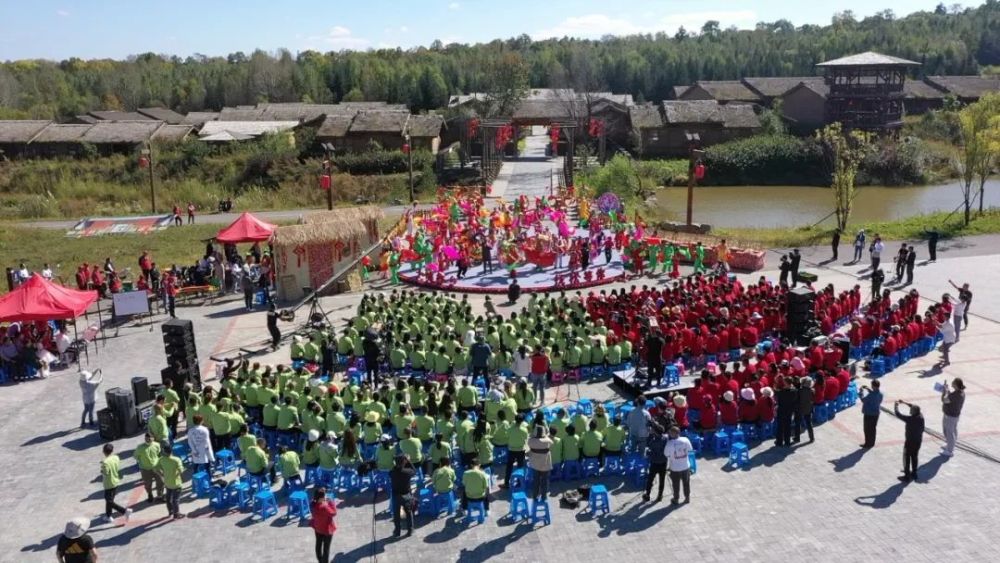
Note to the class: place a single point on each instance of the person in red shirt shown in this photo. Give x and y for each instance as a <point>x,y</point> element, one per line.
<point>708,413</point>
<point>323,511</point>
<point>844,378</point>
<point>889,346</point>
<point>97,279</point>
<point>696,396</point>
<point>82,276</point>
<point>680,411</point>
<point>765,406</point>
<point>749,410</point>
<point>831,387</point>
<point>728,410</point>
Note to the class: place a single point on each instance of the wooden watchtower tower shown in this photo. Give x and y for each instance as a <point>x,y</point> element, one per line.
<point>866,91</point>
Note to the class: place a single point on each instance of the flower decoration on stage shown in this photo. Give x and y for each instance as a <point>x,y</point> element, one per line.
<point>503,136</point>
<point>610,203</point>
<point>596,128</point>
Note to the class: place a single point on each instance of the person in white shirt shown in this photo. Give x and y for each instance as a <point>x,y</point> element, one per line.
<point>23,273</point>
<point>522,362</point>
<point>47,272</point>
<point>678,464</point>
<point>958,313</point>
<point>202,455</point>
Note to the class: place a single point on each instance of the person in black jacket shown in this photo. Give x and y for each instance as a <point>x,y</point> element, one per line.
<point>654,357</point>
<point>372,350</point>
<point>932,241</point>
<point>914,438</point>
<point>804,412</point>
<point>513,291</point>
<point>911,261</point>
<point>656,443</point>
<point>785,268</point>
<point>796,258</point>
<point>788,401</point>
<point>835,243</point>
<point>402,495</point>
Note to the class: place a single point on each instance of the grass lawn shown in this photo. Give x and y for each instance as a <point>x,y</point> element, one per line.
<point>902,229</point>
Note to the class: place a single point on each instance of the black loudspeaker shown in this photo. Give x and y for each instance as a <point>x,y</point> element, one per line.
<point>800,321</point>
<point>143,412</point>
<point>140,390</point>
<point>107,425</point>
<point>179,346</point>
<point>122,404</point>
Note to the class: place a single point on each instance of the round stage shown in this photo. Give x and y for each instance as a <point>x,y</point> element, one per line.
<point>532,278</point>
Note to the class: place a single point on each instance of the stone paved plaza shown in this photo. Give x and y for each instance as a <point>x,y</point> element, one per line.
<point>827,501</point>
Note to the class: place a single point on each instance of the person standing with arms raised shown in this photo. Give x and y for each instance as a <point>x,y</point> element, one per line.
<point>952,401</point>
<point>871,403</point>
<point>914,437</point>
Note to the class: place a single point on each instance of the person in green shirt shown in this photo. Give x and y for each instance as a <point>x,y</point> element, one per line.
<point>614,438</point>
<point>258,462</point>
<point>288,418</point>
<point>570,445</point>
<point>171,406</point>
<point>270,414</point>
<point>440,451</point>
<point>385,456</point>
<point>592,442</point>
<point>290,466</point>
<point>443,478</point>
<point>403,422</point>
<point>517,446</point>
<point>329,453</point>
<point>560,423</point>
<point>157,426</point>
<point>410,446</point>
<point>524,397</point>
<point>475,486</point>
<point>147,454</point>
<point>221,426</point>
<point>614,356</point>
<point>336,421</point>
<point>580,423</point>
<point>424,425</point>
<point>468,396</point>
<point>111,478</point>
<point>172,469</point>
<point>310,454</point>
<point>245,440</point>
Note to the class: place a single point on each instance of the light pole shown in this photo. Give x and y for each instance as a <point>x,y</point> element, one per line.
<point>409,157</point>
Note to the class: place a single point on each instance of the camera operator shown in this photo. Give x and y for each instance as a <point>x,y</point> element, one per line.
<point>913,439</point>
<point>871,403</point>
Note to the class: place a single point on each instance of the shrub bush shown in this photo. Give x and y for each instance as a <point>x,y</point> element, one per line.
<point>382,162</point>
<point>766,160</point>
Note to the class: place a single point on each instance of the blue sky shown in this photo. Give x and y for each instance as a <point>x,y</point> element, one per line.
<point>58,29</point>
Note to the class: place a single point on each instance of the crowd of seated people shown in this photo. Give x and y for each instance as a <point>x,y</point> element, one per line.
<point>30,349</point>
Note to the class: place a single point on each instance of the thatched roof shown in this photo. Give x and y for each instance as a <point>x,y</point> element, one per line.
<point>20,130</point>
<point>88,119</point>
<point>869,58</point>
<point>329,226</point>
<point>969,87</point>
<point>379,122</point>
<point>119,116</point>
<point>818,88</point>
<point>62,133</point>
<point>199,117</point>
<point>334,126</point>
<point>241,114</point>
<point>920,90</point>
<point>777,86</point>
<point>344,215</point>
<point>645,116</point>
<point>172,132</point>
<point>679,91</point>
<point>677,112</point>
<point>424,125</point>
<point>134,132</point>
<point>162,114</point>
<point>726,90</point>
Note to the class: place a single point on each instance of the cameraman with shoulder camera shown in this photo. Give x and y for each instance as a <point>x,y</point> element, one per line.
<point>914,438</point>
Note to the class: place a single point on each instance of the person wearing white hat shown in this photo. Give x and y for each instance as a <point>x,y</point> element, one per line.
<point>75,545</point>
<point>88,387</point>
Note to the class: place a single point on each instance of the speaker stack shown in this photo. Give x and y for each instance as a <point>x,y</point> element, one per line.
<point>182,354</point>
<point>107,425</point>
<point>801,320</point>
<point>122,405</point>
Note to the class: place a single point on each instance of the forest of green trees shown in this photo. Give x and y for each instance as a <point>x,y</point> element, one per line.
<point>947,40</point>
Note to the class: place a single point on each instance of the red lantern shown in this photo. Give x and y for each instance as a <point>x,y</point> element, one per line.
<point>325,182</point>
<point>406,148</point>
<point>699,171</point>
<point>473,127</point>
<point>143,162</point>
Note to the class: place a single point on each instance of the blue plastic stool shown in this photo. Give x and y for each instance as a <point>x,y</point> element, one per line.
<point>694,416</point>
<point>444,502</point>
<point>735,434</point>
<point>425,506</point>
<point>821,413</point>
<point>326,477</point>
<point>599,500</point>
<point>265,505</point>
<point>720,442</point>
<point>613,465</point>
<point>540,512</point>
<point>586,406</point>
<point>312,474</point>
<point>220,498</point>
<point>258,482</point>
<point>591,467</point>
<point>749,430</point>
<point>480,510</point>
<point>519,507</point>
<point>739,455</point>
<point>696,440</point>
<point>518,480</point>
<point>767,430</point>
<point>878,367</point>
<point>298,505</point>
<point>500,455</point>
<point>239,494</point>
<point>201,482</point>
<point>225,461</point>
<point>693,460</point>
<point>671,375</point>
<point>639,472</point>
<point>181,450</point>
<point>831,409</point>
<point>572,470</point>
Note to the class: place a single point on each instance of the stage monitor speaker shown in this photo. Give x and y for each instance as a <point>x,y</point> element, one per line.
<point>143,412</point>
<point>107,425</point>
<point>121,402</point>
<point>178,327</point>
<point>140,390</point>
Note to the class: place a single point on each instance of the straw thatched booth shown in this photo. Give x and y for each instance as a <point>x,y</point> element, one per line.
<point>308,255</point>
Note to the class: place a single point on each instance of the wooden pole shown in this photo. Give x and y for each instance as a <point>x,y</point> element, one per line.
<point>152,187</point>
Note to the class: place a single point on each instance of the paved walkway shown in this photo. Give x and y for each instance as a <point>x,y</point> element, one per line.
<point>827,501</point>
<point>530,174</point>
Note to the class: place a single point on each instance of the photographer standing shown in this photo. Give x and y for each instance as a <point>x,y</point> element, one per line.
<point>402,496</point>
<point>871,403</point>
<point>913,439</point>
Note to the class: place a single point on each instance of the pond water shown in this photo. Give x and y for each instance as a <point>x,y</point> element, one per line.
<point>777,206</point>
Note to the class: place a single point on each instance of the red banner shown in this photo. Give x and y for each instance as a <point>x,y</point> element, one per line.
<point>96,226</point>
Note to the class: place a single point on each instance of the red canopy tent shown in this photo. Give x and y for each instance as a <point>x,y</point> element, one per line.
<point>246,229</point>
<point>41,300</point>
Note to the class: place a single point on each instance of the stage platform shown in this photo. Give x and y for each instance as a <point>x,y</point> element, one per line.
<point>630,386</point>
<point>531,278</point>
